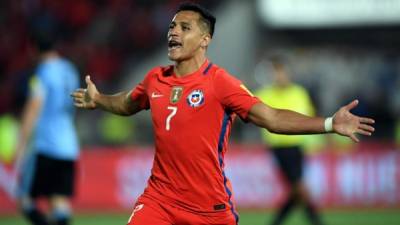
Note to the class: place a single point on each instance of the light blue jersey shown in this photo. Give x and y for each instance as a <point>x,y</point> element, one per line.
<point>54,134</point>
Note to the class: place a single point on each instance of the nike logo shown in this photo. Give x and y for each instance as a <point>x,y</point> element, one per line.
<point>155,95</point>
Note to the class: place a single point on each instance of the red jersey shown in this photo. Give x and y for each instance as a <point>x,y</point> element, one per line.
<point>192,118</point>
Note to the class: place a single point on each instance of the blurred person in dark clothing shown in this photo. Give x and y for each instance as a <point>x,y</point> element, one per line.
<point>288,149</point>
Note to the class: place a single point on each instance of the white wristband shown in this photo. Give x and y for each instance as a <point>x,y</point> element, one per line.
<point>328,124</point>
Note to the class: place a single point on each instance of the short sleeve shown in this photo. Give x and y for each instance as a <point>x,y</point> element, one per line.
<point>139,93</point>
<point>233,94</point>
<point>36,87</point>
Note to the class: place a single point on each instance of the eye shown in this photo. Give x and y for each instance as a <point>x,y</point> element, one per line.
<point>171,26</point>
<point>185,28</point>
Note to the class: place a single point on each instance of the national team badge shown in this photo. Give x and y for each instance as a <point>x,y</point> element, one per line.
<point>196,98</point>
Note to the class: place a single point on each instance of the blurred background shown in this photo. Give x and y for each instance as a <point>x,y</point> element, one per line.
<point>339,50</point>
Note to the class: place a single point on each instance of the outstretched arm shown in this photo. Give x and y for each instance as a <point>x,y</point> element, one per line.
<point>289,122</point>
<point>91,98</point>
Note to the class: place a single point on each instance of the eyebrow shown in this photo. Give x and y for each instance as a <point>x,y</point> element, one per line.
<point>186,24</point>
<point>181,23</point>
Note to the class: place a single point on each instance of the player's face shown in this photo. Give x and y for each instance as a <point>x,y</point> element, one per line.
<point>281,77</point>
<point>185,36</point>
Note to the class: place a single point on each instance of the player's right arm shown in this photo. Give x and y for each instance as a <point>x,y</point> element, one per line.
<point>90,98</point>
<point>233,96</point>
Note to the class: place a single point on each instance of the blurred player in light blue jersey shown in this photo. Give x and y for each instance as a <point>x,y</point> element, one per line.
<point>48,145</point>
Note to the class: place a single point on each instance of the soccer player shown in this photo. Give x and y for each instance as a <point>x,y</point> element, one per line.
<point>48,161</point>
<point>193,104</point>
<point>288,149</point>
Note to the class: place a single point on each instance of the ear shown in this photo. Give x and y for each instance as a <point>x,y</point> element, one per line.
<point>205,41</point>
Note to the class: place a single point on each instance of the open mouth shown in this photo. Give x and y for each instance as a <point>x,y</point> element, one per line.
<point>172,44</point>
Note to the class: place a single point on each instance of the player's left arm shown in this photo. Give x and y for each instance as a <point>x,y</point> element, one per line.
<point>29,115</point>
<point>289,122</point>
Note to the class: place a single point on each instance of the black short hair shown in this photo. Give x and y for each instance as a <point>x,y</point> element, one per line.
<point>44,41</point>
<point>43,32</point>
<point>278,60</point>
<point>206,15</point>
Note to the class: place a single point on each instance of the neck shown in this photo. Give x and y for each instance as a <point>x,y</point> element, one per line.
<point>282,85</point>
<point>49,55</point>
<point>186,67</point>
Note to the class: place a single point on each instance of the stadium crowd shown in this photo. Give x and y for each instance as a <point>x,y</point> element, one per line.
<point>102,37</point>
<point>108,38</point>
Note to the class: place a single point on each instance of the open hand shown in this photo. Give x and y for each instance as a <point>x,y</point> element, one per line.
<point>85,98</point>
<point>347,124</point>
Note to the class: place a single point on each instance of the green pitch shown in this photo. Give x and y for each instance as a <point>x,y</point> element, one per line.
<point>331,217</point>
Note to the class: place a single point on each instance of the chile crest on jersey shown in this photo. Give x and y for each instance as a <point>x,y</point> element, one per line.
<point>195,98</point>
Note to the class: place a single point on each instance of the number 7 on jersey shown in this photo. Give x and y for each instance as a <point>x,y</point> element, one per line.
<point>169,117</point>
